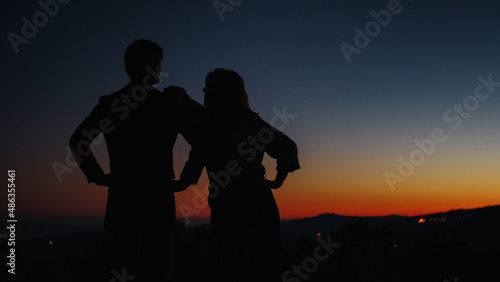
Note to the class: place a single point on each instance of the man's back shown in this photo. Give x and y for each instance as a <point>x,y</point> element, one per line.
<point>140,128</point>
<point>140,146</point>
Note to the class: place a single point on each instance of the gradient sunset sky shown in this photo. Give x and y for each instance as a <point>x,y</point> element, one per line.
<point>353,121</point>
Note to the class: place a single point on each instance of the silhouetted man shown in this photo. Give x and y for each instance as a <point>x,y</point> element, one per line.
<point>140,125</point>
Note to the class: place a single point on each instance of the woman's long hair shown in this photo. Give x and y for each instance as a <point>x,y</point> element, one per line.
<point>225,93</point>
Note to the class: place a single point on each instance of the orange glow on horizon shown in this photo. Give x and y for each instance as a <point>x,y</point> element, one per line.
<point>356,188</point>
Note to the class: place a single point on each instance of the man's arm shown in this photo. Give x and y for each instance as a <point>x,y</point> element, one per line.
<point>191,117</point>
<point>80,147</point>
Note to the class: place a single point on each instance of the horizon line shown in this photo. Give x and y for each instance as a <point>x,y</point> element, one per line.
<point>20,216</point>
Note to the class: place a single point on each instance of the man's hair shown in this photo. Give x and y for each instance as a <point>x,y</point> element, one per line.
<point>138,55</point>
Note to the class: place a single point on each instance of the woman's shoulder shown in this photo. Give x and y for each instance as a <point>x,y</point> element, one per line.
<point>254,118</point>
<point>256,122</point>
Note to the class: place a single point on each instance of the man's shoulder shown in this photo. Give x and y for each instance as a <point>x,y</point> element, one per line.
<point>136,93</point>
<point>176,94</point>
<point>179,97</point>
<point>114,96</point>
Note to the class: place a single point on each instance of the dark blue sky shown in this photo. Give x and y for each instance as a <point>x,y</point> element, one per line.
<point>352,119</point>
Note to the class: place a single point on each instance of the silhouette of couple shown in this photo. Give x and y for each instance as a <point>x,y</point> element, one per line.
<point>140,125</point>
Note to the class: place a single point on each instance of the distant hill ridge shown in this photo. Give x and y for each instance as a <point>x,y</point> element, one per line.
<point>478,227</point>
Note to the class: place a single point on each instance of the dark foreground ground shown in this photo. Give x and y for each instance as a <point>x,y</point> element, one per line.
<point>441,249</point>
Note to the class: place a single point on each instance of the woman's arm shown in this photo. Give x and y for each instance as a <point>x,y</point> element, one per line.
<point>278,182</point>
<point>281,148</point>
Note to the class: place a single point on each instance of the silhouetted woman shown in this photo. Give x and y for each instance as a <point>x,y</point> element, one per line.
<point>245,220</point>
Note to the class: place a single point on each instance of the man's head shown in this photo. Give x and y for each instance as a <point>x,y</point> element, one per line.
<point>142,61</point>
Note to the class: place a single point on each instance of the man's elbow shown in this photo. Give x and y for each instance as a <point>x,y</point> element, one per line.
<point>76,145</point>
<point>74,140</point>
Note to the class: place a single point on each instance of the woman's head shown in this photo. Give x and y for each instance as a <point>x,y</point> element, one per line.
<point>225,92</point>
